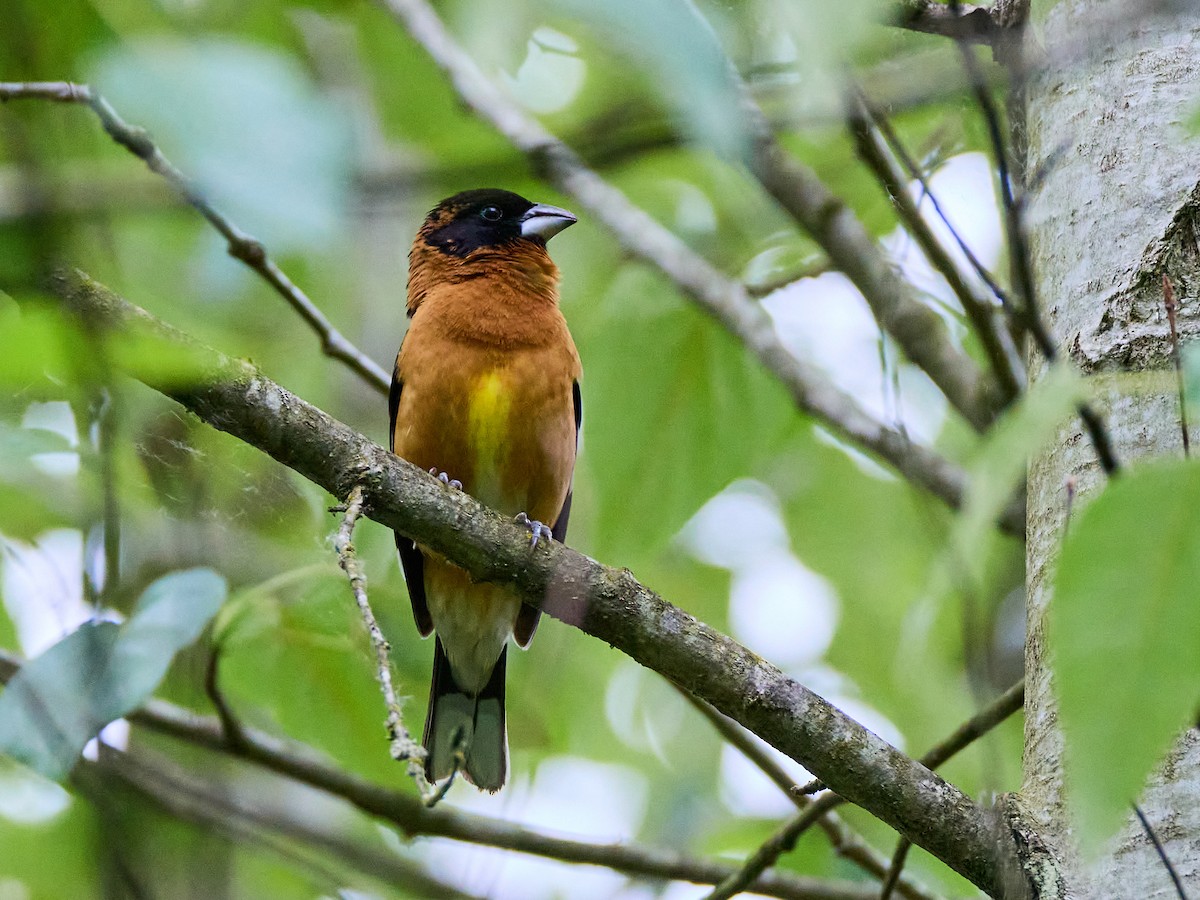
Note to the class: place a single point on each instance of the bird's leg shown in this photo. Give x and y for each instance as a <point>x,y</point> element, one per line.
<point>445,479</point>
<point>537,530</point>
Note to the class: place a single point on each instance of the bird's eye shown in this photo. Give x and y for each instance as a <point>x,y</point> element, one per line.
<point>491,213</point>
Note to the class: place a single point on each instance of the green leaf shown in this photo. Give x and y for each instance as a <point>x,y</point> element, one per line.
<point>170,614</point>
<point>151,357</point>
<point>102,671</point>
<point>246,123</point>
<point>52,707</point>
<point>1126,637</point>
<point>36,342</point>
<point>704,415</point>
<point>1000,464</point>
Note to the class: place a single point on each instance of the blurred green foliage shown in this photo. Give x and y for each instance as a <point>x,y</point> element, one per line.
<point>322,129</point>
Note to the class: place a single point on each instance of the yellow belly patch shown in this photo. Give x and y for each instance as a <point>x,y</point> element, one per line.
<point>488,415</point>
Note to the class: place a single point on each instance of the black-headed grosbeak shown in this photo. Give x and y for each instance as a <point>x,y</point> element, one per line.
<point>485,394</point>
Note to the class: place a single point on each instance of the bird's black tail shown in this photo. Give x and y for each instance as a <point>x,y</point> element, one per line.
<point>475,724</point>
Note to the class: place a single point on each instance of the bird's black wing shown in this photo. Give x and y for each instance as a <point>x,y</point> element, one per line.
<point>527,618</point>
<point>411,559</point>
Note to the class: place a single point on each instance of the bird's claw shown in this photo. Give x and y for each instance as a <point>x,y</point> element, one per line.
<point>537,530</point>
<point>445,479</point>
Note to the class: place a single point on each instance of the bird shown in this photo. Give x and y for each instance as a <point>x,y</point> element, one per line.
<point>485,395</point>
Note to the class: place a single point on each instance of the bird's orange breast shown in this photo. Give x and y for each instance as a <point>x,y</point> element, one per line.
<point>500,419</point>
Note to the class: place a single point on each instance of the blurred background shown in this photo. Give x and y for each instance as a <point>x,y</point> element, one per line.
<point>325,131</point>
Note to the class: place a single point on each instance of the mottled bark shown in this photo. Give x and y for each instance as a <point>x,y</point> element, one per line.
<point>1116,210</point>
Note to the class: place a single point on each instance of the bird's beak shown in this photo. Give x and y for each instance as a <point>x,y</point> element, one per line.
<point>545,221</point>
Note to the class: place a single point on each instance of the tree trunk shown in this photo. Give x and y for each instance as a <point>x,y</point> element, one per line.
<point>1115,211</point>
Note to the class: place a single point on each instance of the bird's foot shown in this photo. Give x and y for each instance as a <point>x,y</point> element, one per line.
<point>537,530</point>
<point>445,479</point>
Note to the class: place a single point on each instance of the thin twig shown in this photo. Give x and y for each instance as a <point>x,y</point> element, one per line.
<point>789,277</point>
<point>241,245</point>
<point>807,790</point>
<point>845,842</point>
<point>1022,260</point>
<point>107,422</point>
<point>1008,703</point>
<point>1162,853</point>
<point>980,311</point>
<point>896,868</point>
<point>230,726</point>
<point>1172,307</point>
<point>96,412</point>
<point>403,747</point>
<point>918,174</point>
<point>785,838</point>
<point>783,841</point>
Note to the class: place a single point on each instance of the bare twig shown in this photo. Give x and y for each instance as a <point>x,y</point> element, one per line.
<point>845,842</point>
<point>915,172</point>
<point>807,790</point>
<point>1022,261</point>
<point>1162,853</point>
<point>230,726</point>
<point>241,245</point>
<point>723,298</point>
<point>607,603</point>
<point>992,335</point>
<point>783,841</point>
<point>785,838</point>
<point>95,408</point>
<point>896,869</point>
<point>1008,703</point>
<point>107,423</point>
<point>403,747</point>
<point>1172,308</point>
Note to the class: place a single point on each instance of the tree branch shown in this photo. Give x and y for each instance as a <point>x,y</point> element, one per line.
<point>896,870</point>
<point>845,842</point>
<point>304,765</point>
<point>607,603</point>
<point>785,838</point>
<point>240,245</point>
<point>917,328</point>
<point>194,800</point>
<point>914,172</point>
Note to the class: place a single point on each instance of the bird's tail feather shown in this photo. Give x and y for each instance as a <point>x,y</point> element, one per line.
<point>475,724</point>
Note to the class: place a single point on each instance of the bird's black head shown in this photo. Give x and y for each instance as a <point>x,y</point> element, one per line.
<point>489,217</point>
